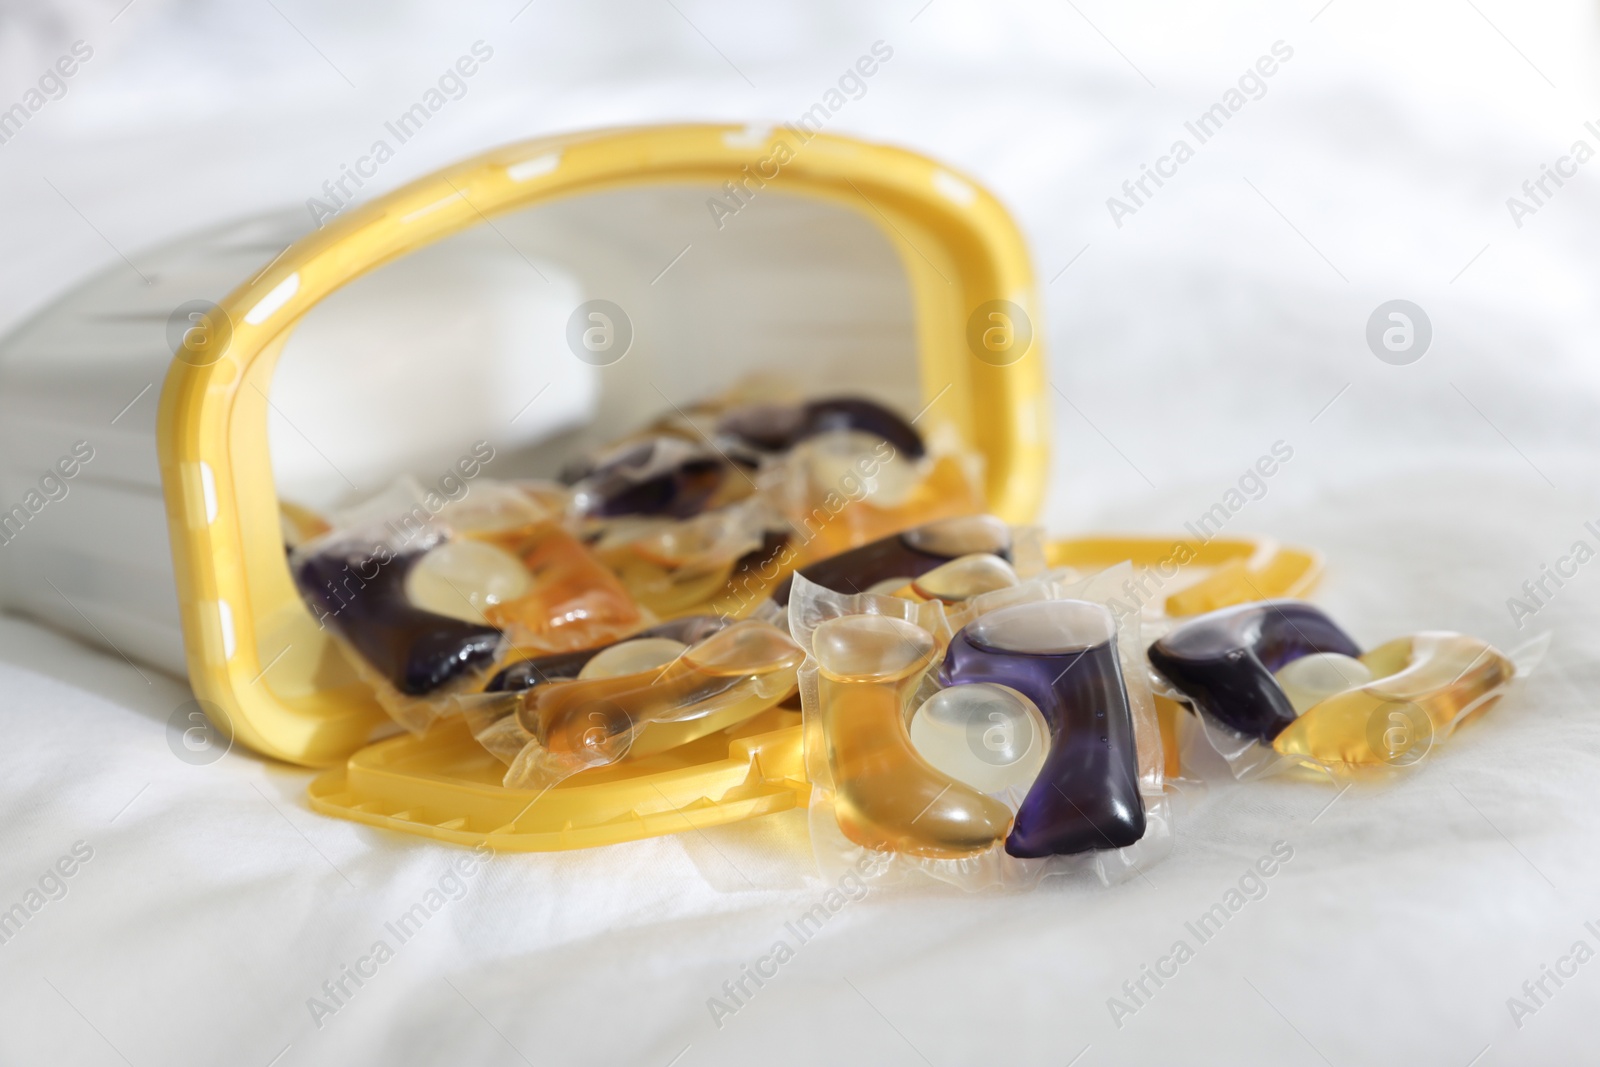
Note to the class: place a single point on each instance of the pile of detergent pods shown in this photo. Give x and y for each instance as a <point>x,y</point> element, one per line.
<point>968,710</point>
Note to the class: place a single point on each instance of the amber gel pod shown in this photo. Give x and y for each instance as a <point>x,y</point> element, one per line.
<point>1224,661</point>
<point>1062,655</point>
<point>906,555</point>
<point>886,796</point>
<point>1421,686</point>
<point>365,602</point>
<point>735,673</point>
<point>536,582</point>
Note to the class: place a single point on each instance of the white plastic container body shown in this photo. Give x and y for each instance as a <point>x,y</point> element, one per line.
<point>404,368</point>
<point>92,557</point>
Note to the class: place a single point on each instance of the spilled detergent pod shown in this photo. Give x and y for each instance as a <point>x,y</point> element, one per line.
<point>657,474</point>
<point>910,554</point>
<point>1284,674</point>
<point>975,758</point>
<point>511,561</point>
<point>1062,656</point>
<point>565,666</point>
<point>569,726</point>
<point>1224,661</point>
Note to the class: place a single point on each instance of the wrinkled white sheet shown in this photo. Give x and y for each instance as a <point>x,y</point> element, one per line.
<point>1226,314</point>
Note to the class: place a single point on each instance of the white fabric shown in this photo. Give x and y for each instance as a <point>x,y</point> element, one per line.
<point>1183,345</point>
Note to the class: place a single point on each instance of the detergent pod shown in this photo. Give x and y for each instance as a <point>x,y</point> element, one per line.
<point>427,596</point>
<point>658,474</point>
<point>862,473</point>
<point>492,714</point>
<point>776,428</point>
<point>981,741</point>
<point>671,516</point>
<point>552,717</point>
<point>672,566</point>
<point>1278,684</point>
<point>898,560</point>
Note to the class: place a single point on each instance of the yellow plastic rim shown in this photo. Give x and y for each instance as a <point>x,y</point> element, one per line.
<point>1242,568</point>
<point>445,786</point>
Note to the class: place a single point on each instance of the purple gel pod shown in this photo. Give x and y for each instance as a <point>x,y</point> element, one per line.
<point>360,591</point>
<point>564,666</point>
<point>779,427</point>
<point>1062,655</point>
<point>658,475</point>
<point>905,555</point>
<point>1224,661</point>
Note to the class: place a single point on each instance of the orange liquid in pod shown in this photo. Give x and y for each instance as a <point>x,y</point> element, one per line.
<point>574,602</point>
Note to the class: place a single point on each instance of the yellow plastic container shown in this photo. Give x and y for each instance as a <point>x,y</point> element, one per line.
<point>836,263</point>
